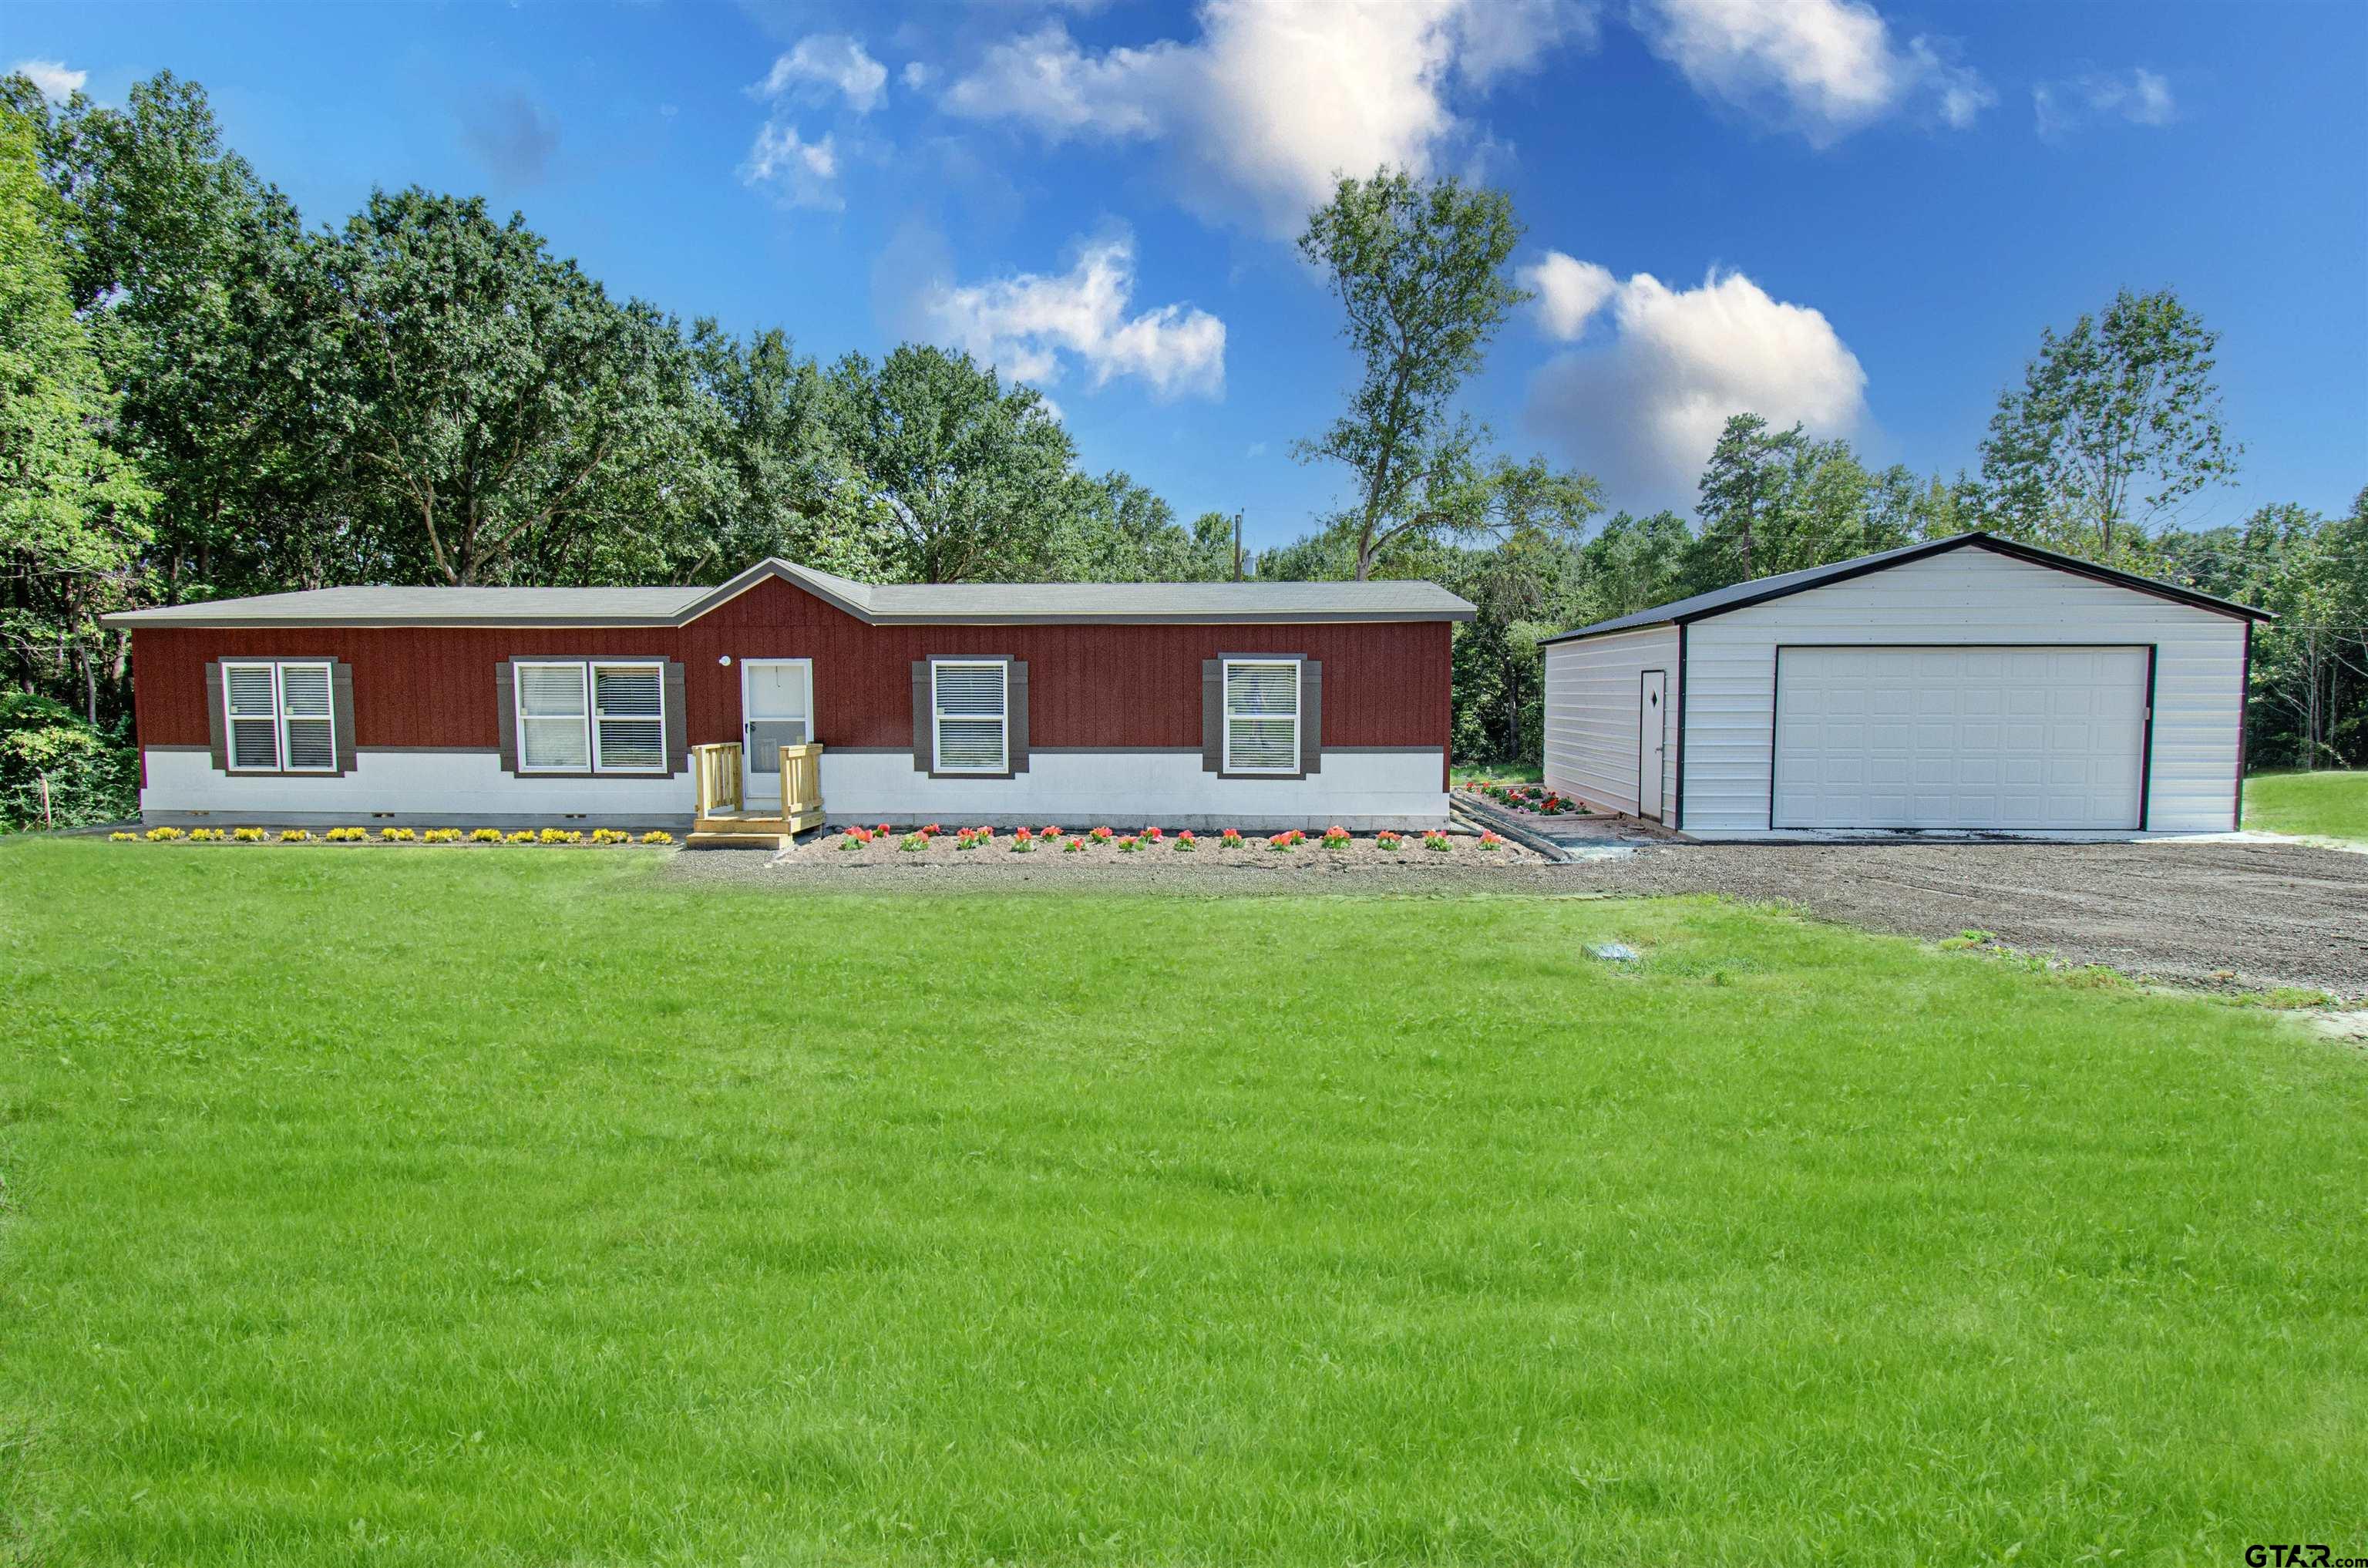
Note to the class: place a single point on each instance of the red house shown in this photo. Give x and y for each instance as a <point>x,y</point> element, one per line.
<point>1190,704</point>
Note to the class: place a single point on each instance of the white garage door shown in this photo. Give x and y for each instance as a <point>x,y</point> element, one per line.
<point>1976,737</point>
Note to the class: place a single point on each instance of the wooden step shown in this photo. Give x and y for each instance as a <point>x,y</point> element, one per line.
<point>737,838</point>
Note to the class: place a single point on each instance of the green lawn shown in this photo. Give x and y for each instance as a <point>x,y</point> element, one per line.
<point>1503,772</point>
<point>437,1207</point>
<point>2321,805</point>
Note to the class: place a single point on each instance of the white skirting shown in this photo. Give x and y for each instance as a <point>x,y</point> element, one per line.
<point>1355,789</point>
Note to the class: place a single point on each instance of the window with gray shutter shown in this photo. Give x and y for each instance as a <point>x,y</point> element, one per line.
<point>1261,715</point>
<point>278,716</point>
<point>970,715</point>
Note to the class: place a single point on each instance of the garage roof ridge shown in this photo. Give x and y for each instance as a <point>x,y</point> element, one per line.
<point>1759,590</point>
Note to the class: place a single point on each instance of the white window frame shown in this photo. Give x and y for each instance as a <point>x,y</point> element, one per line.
<point>937,716</point>
<point>1226,714</point>
<point>279,714</point>
<point>592,714</point>
<point>589,672</point>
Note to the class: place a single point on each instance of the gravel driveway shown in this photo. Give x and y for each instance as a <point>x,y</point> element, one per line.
<point>2229,913</point>
<point>2251,915</point>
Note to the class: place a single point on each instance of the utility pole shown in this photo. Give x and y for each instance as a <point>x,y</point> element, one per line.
<point>1237,544</point>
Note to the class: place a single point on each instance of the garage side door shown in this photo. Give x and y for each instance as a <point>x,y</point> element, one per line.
<point>1974,737</point>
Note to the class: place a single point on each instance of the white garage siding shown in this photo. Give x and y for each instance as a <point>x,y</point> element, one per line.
<point>1967,595</point>
<point>1591,719</point>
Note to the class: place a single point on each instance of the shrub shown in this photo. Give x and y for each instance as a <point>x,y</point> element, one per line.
<point>397,835</point>
<point>1231,838</point>
<point>1186,844</point>
<point>967,838</point>
<point>487,836</point>
<point>1388,841</point>
<point>93,775</point>
<point>560,835</point>
<point>611,836</point>
<point>914,843</point>
<point>122,839</point>
<point>1435,839</point>
<point>1102,835</point>
<point>1490,840</point>
<point>163,835</point>
<point>247,834</point>
<point>1152,835</point>
<point>657,836</point>
<point>855,839</point>
<point>523,836</point>
<point>294,835</point>
<point>931,831</point>
<point>205,835</point>
<point>1023,842</point>
<point>442,835</point>
<point>1336,838</point>
<point>1287,843</point>
<point>347,835</point>
<point>1130,844</point>
<point>1072,845</point>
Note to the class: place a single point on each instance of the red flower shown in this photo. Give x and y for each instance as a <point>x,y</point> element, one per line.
<point>1152,834</point>
<point>1023,836</point>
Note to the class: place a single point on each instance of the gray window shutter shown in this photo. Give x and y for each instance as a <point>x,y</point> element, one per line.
<point>1212,715</point>
<point>505,714</point>
<point>217,742</point>
<point>341,712</point>
<point>1311,716</point>
<point>923,753</point>
<point>1015,718</point>
<point>677,721</point>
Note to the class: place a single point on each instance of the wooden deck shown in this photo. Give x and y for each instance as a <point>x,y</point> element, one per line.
<point>725,822</point>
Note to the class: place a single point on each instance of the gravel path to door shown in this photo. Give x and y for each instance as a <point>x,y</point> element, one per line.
<point>2212,914</point>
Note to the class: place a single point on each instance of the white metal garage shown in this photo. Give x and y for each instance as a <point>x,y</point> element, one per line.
<point>1967,684</point>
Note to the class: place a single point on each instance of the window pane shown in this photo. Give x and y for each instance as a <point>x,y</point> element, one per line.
<point>305,689</point>
<point>1262,689</point>
<point>633,743</point>
<point>311,746</point>
<point>254,742</point>
<point>626,692</point>
<point>551,743</point>
<point>1264,744</point>
<point>777,691</point>
<point>969,688</point>
<point>765,739</point>
<point>551,691</point>
<point>975,743</point>
<point>249,690</point>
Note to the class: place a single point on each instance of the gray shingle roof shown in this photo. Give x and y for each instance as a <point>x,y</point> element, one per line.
<point>1758,590</point>
<point>879,603</point>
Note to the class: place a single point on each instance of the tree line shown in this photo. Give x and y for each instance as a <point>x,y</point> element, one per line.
<point>201,397</point>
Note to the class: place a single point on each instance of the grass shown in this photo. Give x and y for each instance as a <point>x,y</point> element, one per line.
<point>1502,772</point>
<point>2328,804</point>
<point>446,1206</point>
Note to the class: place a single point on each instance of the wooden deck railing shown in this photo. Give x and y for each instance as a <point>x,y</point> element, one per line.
<point>802,780</point>
<point>717,768</point>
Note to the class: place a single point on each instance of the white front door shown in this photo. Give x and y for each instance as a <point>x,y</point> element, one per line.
<point>1961,737</point>
<point>1651,740</point>
<point>776,710</point>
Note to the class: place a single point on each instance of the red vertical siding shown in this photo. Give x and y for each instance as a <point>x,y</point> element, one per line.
<point>1385,684</point>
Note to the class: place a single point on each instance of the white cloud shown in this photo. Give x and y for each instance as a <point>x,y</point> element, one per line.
<point>56,83</point>
<point>917,74</point>
<point>1568,290</point>
<point>1644,411</point>
<point>1827,67</point>
<point>799,172</point>
<point>830,62</point>
<point>1031,324</point>
<point>1271,100</point>
<point>2141,97</point>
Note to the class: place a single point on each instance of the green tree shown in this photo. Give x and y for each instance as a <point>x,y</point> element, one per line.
<point>493,409</point>
<point>1419,270</point>
<point>72,509</point>
<point>971,479</point>
<point>2116,424</point>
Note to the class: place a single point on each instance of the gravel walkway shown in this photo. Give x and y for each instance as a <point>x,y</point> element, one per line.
<point>2245,916</point>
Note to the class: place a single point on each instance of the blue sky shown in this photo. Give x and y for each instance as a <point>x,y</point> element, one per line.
<point>1859,215</point>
